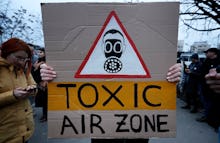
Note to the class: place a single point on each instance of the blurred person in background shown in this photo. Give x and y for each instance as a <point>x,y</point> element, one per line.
<point>212,61</point>
<point>16,85</point>
<point>33,60</point>
<point>34,54</point>
<point>41,97</point>
<point>213,80</point>
<point>193,84</point>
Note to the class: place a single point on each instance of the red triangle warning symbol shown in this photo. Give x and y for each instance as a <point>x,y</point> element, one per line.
<point>113,54</point>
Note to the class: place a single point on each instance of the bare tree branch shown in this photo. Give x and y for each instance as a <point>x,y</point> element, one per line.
<point>201,30</point>
<point>206,13</point>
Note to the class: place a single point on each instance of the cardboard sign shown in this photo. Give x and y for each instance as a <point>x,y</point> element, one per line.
<point>111,61</point>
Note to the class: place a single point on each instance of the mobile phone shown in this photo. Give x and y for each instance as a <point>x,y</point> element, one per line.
<point>31,89</point>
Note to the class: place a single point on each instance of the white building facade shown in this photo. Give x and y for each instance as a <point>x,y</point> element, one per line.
<point>199,47</point>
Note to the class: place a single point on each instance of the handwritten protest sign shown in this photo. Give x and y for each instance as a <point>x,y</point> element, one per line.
<point>111,61</point>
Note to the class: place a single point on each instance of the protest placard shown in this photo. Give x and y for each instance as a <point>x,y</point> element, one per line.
<point>111,61</point>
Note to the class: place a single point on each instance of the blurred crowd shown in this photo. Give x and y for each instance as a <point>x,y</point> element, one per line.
<point>196,92</point>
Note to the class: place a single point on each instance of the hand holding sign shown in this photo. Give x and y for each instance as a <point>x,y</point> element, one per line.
<point>47,72</point>
<point>174,73</point>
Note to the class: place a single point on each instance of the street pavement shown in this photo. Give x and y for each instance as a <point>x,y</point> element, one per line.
<point>188,130</point>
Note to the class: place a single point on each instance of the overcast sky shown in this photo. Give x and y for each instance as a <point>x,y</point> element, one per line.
<point>33,6</point>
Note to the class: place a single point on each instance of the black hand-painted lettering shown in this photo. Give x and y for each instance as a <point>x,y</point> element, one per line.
<point>136,95</point>
<point>121,123</point>
<point>144,95</point>
<point>149,122</point>
<point>136,119</point>
<point>160,123</point>
<point>83,124</point>
<point>83,87</point>
<point>112,95</point>
<point>67,92</point>
<point>67,124</point>
<point>97,123</point>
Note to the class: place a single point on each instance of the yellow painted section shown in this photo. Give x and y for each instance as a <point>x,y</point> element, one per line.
<point>112,95</point>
